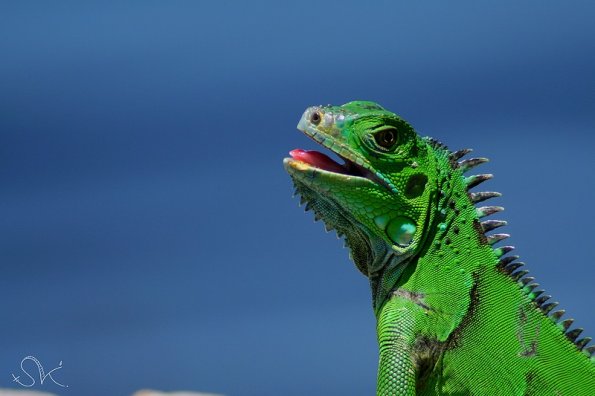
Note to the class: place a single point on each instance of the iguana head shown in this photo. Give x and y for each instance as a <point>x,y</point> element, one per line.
<point>381,197</point>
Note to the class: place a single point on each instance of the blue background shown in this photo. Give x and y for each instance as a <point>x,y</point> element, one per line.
<point>148,237</point>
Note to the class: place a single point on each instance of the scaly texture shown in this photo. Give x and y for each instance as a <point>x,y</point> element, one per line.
<point>455,316</point>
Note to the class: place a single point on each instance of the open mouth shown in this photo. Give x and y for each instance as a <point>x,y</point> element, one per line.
<point>355,167</point>
<point>326,163</point>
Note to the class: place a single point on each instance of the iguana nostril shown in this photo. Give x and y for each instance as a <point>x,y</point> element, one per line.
<point>328,120</point>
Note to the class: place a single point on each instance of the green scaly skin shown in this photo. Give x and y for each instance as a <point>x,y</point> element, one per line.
<point>454,315</point>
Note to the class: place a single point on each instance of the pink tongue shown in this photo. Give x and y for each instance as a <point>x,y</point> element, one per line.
<point>317,159</point>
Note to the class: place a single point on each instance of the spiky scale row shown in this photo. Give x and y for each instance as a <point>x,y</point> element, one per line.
<point>582,342</point>
<point>547,308</point>
<point>541,299</point>
<point>495,238</point>
<point>308,207</point>
<point>508,262</point>
<point>526,280</point>
<point>471,163</point>
<point>518,275</point>
<point>557,315</point>
<point>455,156</point>
<point>537,293</point>
<point>501,251</point>
<point>573,334</point>
<point>566,324</point>
<point>504,262</point>
<point>475,180</point>
<point>488,210</point>
<point>477,197</point>
<point>510,268</point>
<point>489,225</point>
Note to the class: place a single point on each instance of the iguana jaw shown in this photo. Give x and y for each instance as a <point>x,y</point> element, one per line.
<point>311,163</point>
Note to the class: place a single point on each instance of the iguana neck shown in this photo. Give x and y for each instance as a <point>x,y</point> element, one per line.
<point>453,236</point>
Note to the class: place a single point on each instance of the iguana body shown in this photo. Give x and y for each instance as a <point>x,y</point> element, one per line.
<point>455,315</point>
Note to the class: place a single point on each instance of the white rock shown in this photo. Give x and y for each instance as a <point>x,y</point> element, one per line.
<point>147,392</point>
<point>23,392</point>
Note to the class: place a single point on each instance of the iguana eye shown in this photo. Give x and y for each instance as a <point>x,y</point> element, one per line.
<point>315,118</point>
<point>386,138</point>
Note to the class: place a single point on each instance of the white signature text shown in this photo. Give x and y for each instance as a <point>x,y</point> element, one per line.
<point>42,374</point>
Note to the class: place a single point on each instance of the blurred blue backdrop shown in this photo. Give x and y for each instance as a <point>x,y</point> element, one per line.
<point>148,236</point>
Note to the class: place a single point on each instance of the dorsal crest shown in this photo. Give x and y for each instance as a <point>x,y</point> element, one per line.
<point>509,264</point>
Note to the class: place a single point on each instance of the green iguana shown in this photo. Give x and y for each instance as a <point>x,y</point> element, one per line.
<point>455,315</point>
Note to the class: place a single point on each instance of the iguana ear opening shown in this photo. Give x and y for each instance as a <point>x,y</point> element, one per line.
<point>415,185</point>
